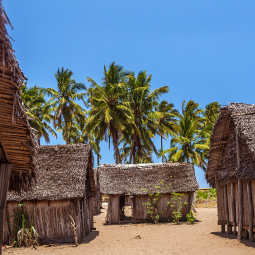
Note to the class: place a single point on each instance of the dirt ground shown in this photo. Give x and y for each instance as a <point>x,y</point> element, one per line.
<point>203,237</point>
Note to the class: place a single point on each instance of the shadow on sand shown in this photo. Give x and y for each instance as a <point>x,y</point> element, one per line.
<point>225,235</point>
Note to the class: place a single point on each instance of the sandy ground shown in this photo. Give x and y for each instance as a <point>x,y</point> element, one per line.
<point>203,237</point>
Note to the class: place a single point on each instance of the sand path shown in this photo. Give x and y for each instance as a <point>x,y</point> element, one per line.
<point>203,237</point>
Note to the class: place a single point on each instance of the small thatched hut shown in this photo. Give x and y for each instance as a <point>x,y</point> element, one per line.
<point>65,187</point>
<point>17,142</point>
<point>98,195</point>
<point>231,168</point>
<point>121,181</point>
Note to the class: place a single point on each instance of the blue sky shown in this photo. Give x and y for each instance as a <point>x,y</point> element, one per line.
<point>203,50</point>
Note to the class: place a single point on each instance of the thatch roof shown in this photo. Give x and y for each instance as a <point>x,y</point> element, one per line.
<point>63,172</point>
<point>16,136</point>
<point>131,178</point>
<point>222,163</point>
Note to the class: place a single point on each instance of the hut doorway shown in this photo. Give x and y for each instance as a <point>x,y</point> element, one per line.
<point>126,208</point>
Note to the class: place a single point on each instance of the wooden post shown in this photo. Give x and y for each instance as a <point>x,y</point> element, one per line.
<point>5,171</point>
<point>134,209</point>
<point>109,211</point>
<point>250,210</point>
<point>233,207</point>
<point>240,192</point>
<point>226,207</point>
<point>222,228</point>
<point>240,209</point>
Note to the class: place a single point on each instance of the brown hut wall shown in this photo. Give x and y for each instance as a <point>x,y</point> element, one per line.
<point>245,205</point>
<point>220,203</point>
<point>115,212</point>
<point>141,212</point>
<point>236,200</point>
<point>230,210</point>
<point>221,207</point>
<point>253,198</point>
<point>97,202</point>
<point>51,217</point>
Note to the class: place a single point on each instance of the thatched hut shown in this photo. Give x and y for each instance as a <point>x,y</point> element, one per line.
<point>65,187</point>
<point>231,168</point>
<point>98,195</point>
<point>121,181</point>
<point>17,142</point>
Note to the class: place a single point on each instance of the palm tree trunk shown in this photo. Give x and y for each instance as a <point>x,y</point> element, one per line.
<point>134,159</point>
<point>132,149</point>
<point>97,159</point>
<point>162,147</point>
<point>66,132</point>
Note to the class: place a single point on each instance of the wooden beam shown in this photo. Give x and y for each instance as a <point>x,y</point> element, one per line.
<point>240,209</point>
<point>134,209</point>
<point>226,207</point>
<point>240,192</point>
<point>233,205</point>
<point>250,204</point>
<point>5,171</point>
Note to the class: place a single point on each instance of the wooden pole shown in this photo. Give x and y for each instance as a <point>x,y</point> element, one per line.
<point>240,192</point>
<point>109,211</point>
<point>233,207</point>
<point>5,171</point>
<point>250,210</point>
<point>226,207</point>
<point>134,209</point>
<point>240,209</point>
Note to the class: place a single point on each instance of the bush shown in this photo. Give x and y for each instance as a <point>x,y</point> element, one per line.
<point>191,217</point>
<point>22,233</point>
<point>176,202</point>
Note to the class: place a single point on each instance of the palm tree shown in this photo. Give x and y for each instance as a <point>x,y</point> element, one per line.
<point>109,109</point>
<point>187,142</point>
<point>63,99</point>
<point>142,104</point>
<point>39,113</point>
<point>166,121</point>
<point>78,134</point>
<point>211,114</point>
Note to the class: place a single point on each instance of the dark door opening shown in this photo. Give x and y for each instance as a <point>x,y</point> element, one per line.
<point>126,208</point>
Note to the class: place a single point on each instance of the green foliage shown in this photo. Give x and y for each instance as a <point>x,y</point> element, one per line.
<point>124,111</point>
<point>154,198</point>
<point>63,101</point>
<point>22,233</point>
<point>191,136</point>
<point>176,204</point>
<point>203,195</point>
<point>191,217</point>
<point>38,111</point>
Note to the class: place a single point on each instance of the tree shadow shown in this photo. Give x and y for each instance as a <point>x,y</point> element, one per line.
<point>232,236</point>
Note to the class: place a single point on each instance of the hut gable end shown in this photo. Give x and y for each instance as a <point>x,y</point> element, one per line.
<point>62,171</point>
<point>235,119</point>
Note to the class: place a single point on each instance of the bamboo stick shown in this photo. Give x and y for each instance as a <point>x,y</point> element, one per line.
<point>134,209</point>
<point>240,209</point>
<point>250,210</point>
<point>226,208</point>
<point>233,207</point>
<point>240,192</point>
